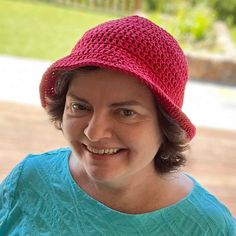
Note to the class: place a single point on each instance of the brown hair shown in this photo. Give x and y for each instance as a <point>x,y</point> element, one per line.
<point>170,155</point>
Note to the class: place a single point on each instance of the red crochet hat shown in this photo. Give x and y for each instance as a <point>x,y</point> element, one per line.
<point>136,46</point>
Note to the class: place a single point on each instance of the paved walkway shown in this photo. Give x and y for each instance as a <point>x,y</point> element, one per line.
<point>207,105</point>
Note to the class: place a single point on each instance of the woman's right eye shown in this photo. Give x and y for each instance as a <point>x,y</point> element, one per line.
<point>76,108</point>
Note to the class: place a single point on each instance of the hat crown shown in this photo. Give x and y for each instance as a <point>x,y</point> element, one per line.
<point>150,44</point>
<point>136,46</point>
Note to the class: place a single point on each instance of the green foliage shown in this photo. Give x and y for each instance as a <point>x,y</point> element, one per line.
<point>225,9</point>
<point>233,33</point>
<point>186,23</point>
<point>150,5</point>
<point>161,5</point>
<point>194,23</point>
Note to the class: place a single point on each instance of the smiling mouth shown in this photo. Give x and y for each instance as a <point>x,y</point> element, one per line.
<point>107,151</point>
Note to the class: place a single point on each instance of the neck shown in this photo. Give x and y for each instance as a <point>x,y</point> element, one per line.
<point>135,194</point>
<point>143,195</point>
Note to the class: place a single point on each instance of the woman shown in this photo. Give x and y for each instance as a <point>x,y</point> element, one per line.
<point>117,99</point>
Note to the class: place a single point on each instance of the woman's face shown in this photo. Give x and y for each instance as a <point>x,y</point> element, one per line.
<point>110,122</point>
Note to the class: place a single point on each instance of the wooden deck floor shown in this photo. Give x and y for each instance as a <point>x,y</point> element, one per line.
<point>212,159</point>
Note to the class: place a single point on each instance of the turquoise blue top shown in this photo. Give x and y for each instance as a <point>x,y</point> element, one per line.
<point>39,197</point>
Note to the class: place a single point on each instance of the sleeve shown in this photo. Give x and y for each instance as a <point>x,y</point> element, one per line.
<point>232,227</point>
<point>224,224</point>
<point>228,230</point>
<point>8,207</point>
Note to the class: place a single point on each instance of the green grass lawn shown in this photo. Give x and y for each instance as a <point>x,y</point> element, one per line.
<point>41,30</point>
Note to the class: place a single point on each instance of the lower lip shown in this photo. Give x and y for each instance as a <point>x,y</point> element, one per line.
<point>102,157</point>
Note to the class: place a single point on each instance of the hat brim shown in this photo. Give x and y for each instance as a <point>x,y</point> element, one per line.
<point>122,61</point>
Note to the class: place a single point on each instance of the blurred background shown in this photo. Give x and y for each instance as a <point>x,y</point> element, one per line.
<point>35,33</point>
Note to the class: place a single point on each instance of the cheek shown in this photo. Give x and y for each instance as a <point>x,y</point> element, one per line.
<point>153,139</point>
<point>71,128</point>
<point>156,140</point>
<point>145,137</point>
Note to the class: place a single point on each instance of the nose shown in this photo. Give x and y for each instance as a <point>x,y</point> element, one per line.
<point>99,127</point>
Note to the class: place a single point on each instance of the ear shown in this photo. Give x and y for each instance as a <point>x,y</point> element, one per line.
<point>61,126</point>
<point>58,125</point>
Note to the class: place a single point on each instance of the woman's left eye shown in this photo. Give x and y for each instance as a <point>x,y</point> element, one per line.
<point>127,113</point>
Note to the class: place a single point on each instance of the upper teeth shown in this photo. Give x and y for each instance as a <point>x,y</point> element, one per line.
<point>103,151</point>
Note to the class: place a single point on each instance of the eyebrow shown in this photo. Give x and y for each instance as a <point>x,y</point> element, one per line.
<point>70,94</point>
<point>115,104</point>
<point>126,103</point>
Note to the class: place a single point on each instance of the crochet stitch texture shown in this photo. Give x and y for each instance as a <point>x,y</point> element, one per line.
<point>136,46</point>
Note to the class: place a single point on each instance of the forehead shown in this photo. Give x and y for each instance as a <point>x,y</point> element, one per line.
<point>108,80</point>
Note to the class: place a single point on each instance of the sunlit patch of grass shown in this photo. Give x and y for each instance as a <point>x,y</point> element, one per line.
<point>41,30</point>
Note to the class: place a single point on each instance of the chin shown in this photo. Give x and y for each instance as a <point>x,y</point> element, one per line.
<point>103,176</point>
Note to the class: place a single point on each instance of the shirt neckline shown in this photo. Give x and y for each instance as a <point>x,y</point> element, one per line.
<point>181,203</point>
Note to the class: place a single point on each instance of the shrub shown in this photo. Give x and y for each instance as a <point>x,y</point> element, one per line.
<point>225,10</point>
<point>194,23</point>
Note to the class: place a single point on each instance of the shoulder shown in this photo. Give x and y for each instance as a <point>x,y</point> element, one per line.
<point>39,166</point>
<point>28,188</point>
<point>46,157</point>
<point>32,165</point>
<point>209,213</point>
<point>36,171</point>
